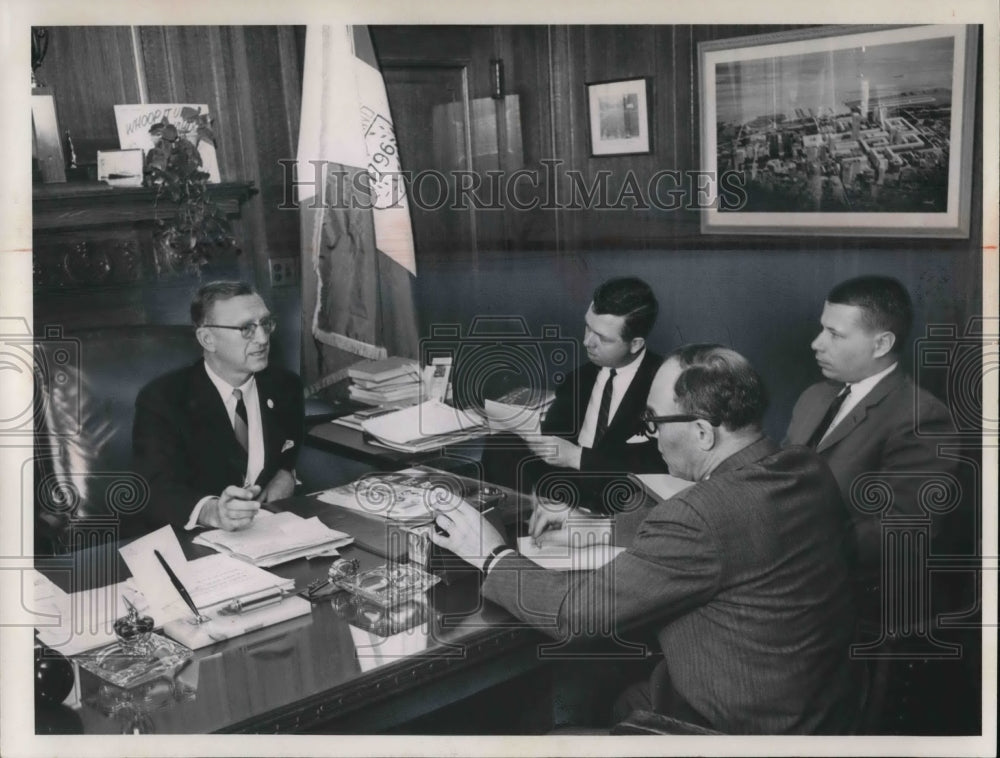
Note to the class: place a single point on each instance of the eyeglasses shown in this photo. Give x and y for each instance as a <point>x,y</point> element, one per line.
<point>651,422</point>
<point>247,331</point>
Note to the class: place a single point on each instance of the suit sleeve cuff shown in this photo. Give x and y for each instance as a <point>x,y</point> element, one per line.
<point>496,559</point>
<point>192,522</point>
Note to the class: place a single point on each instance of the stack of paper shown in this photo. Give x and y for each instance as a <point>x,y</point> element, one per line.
<point>356,419</point>
<point>275,538</point>
<point>390,380</point>
<point>213,583</point>
<point>423,427</point>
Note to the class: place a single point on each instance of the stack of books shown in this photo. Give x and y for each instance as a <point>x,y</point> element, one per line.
<point>390,381</point>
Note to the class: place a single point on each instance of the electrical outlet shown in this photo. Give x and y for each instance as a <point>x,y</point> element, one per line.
<point>284,272</point>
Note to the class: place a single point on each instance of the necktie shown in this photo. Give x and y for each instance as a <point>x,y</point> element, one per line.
<point>240,421</point>
<point>605,410</point>
<point>828,417</point>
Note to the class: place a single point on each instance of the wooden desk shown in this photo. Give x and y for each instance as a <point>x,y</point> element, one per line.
<point>315,673</point>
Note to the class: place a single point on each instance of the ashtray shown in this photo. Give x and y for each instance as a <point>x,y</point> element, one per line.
<point>127,665</point>
<point>387,586</point>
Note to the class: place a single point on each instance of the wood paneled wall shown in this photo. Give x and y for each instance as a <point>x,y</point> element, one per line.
<point>548,67</point>
<point>249,77</point>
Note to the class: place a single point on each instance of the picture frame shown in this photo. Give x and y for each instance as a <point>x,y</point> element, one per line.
<point>619,116</point>
<point>843,131</point>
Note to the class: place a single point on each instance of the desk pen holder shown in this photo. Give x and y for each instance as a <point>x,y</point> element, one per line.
<point>138,656</point>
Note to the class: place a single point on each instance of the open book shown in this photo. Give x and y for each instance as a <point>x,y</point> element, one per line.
<point>275,538</point>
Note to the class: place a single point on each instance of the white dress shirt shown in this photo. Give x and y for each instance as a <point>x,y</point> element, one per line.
<point>858,392</point>
<point>623,378</point>
<point>255,431</point>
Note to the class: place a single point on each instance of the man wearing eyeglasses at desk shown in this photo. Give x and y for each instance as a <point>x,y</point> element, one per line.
<point>744,575</point>
<point>216,439</point>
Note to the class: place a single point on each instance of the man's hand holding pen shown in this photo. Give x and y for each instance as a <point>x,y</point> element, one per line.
<point>234,509</point>
<point>548,522</point>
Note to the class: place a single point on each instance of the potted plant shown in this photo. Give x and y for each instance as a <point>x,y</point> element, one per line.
<point>174,168</point>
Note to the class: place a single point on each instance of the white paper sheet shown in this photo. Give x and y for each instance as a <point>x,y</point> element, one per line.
<point>663,486</point>
<point>512,418</point>
<point>81,621</point>
<point>565,558</point>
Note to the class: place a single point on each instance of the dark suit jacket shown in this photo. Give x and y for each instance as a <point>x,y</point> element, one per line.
<point>876,445</point>
<point>600,482</point>
<point>185,447</point>
<point>747,582</point>
<point>613,452</point>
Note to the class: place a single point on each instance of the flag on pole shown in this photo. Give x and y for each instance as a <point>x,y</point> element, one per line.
<point>358,262</point>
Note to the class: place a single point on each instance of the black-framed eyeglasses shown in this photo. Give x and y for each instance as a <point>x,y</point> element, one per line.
<point>248,330</point>
<point>650,423</point>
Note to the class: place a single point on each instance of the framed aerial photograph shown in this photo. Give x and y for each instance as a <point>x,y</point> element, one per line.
<point>839,130</point>
<point>619,117</point>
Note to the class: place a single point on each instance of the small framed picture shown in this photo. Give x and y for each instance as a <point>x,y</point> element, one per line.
<point>619,116</point>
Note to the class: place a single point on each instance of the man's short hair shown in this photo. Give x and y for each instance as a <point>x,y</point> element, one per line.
<point>884,302</point>
<point>719,383</point>
<point>211,292</point>
<point>629,297</point>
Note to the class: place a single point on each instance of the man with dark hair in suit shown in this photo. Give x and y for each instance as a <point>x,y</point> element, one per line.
<point>216,439</point>
<point>862,419</point>
<point>744,575</point>
<point>593,424</point>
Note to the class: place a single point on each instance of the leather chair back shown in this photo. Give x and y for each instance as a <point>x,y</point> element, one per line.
<point>86,385</point>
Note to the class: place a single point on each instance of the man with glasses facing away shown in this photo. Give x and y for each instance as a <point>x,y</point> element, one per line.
<point>216,439</point>
<point>743,576</point>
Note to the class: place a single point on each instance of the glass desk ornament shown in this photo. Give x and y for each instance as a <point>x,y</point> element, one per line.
<point>129,704</point>
<point>138,656</point>
<point>387,586</point>
<point>381,620</point>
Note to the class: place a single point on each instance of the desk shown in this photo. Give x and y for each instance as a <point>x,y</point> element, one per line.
<point>314,673</point>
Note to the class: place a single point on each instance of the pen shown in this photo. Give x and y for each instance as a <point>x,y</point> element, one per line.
<point>180,587</point>
<point>241,605</point>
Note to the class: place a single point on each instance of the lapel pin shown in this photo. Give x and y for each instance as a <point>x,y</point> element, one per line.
<point>270,404</point>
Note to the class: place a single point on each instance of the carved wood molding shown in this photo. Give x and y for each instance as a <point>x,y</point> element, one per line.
<point>78,205</point>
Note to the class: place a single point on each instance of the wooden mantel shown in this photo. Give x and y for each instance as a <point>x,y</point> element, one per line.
<point>77,205</point>
<point>96,260</point>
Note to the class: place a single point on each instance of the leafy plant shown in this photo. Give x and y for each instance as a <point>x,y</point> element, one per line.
<point>174,168</point>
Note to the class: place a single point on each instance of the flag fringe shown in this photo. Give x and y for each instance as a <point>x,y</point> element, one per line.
<point>357,347</point>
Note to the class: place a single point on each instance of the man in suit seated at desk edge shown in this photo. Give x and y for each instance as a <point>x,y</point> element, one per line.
<point>591,434</point>
<point>863,419</point>
<point>217,438</point>
<point>744,575</point>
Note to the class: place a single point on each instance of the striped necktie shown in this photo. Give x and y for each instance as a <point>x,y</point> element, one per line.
<point>828,417</point>
<point>240,422</point>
